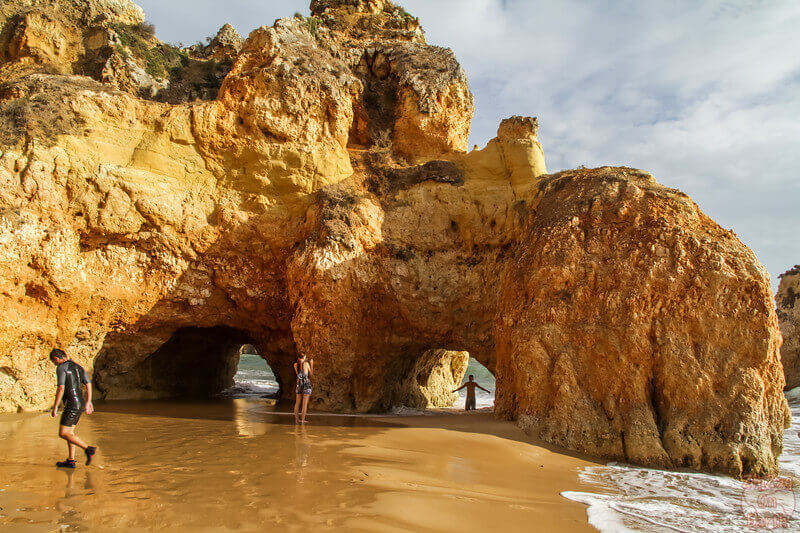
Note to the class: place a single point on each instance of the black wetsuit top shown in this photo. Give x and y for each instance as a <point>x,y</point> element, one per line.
<point>72,376</point>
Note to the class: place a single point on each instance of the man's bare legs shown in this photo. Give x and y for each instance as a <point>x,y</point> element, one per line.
<point>305,408</point>
<point>68,434</point>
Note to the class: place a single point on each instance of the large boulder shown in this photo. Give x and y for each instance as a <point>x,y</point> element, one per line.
<point>631,326</point>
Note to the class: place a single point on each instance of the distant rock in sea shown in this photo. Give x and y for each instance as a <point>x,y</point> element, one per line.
<point>788,301</point>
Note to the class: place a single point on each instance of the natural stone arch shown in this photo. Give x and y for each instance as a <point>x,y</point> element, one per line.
<point>373,301</point>
<point>418,379</point>
<point>184,362</point>
<point>197,362</point>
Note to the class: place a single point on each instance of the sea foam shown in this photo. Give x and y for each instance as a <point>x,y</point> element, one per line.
<point>630,498</point>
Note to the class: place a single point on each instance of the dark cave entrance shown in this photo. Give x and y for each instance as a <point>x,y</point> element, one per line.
<point>188,362</point>
<point>195,362</point>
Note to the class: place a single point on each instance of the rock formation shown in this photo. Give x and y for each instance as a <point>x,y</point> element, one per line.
<point>637,318</point>
<point>225,45</point>
<point>789,320</point>
<point>109,40</point>
<point>322,200</point>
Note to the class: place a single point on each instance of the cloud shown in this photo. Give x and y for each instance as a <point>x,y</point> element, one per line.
<point>705,95</point>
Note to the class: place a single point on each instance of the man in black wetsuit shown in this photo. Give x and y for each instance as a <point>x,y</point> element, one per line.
<point>70,377</point>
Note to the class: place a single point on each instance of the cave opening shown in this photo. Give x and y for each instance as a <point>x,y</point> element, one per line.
<point>188,362</point>
<point>195,362</point>
<point>254,376</point>
<point>431,378</point>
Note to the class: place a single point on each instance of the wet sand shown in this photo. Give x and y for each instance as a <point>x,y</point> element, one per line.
<point>238,465</point>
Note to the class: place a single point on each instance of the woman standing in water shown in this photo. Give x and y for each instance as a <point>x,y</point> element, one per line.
<point>303,368</point>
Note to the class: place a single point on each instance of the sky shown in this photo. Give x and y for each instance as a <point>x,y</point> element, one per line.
<point>704,95</point>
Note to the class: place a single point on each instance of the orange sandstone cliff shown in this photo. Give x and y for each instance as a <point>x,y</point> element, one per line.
<point>308,189</point>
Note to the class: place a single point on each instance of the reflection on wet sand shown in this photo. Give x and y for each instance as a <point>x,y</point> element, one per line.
<point>241,464</point>
<point>302,447</point>
<point>73,496</point>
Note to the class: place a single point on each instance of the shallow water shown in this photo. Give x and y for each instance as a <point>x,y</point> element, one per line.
<point>239,464</point>
<point>254,378</point>
<point>628,498</point>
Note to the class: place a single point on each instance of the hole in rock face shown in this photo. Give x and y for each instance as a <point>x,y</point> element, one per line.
<point>254,376</point>
<point>373,124</point>
<point>427,379</point>
<point>195,362</point>
<point>189,362</point>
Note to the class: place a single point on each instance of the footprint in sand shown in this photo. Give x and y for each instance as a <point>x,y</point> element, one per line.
<point>463,498</point>
<point>520,507</point>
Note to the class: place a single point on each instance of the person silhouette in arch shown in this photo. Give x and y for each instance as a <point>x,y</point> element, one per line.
<point>471,385</point>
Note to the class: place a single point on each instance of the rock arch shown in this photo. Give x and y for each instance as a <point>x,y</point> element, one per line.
<point>193,362</point>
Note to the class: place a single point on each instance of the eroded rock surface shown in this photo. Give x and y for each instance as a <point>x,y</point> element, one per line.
<point>225,45</point>
<point>788,300</point>
<point>637,318</point>
<point>321,200</point>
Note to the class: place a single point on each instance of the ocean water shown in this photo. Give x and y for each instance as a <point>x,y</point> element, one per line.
<point>253,378</point>
<point>629,498</point>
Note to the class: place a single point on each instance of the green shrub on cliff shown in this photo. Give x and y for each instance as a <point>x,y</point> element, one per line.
<point>157,59</point>
<point>313,25</point>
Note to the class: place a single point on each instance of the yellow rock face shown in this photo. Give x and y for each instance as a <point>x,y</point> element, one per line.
<point>50,32</point>
<point>323,202</point>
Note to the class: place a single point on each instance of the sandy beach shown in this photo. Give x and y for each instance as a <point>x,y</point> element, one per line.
<point>241,465</point>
